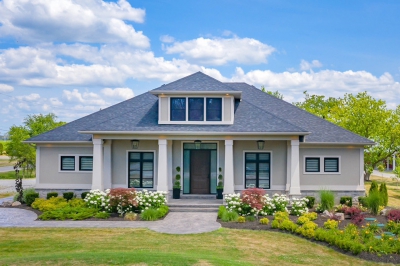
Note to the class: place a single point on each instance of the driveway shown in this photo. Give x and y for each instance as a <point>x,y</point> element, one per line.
<point>8,185</point>
<point>6,169</point>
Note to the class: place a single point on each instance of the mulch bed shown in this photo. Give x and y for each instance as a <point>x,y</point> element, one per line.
<point>113,216</point>
<point>393,258</point>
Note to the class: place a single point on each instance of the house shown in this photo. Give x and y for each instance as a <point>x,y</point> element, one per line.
<point>202,125</point>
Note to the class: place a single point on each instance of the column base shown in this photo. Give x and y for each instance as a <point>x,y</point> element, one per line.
<point>294,191</point>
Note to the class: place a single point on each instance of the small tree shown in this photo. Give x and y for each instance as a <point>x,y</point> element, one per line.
<point>384,194</point>
<point>381,168</point>
<point>374,187</point>
<point>18,181</point>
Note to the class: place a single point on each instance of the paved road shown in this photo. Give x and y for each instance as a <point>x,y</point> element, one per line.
<point>6,169</point>
<point>8,185</point>
<point>173,223</point>
<point>379,174</point>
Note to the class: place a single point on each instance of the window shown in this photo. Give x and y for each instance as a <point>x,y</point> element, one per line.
<point>67,163</point>
<point>141,169</point>
<point>85,163</point>
<point>178,109</point>
<point>331,164</point>
<point>214,109</point>
<point>322,165</point>
<point>196,109</point>
<point>312,165</point>
<point>257,170</point>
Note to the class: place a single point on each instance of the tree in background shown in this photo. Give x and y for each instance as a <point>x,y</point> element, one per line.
<point>25,153</point>
<point>363,115</point>
<point>276,94</point>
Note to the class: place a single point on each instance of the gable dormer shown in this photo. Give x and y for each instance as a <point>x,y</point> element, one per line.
<point>196,99</point>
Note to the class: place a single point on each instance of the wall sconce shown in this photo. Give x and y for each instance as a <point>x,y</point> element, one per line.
<point>260,144</point>
<point>135,144</point>
<point>197,144</point>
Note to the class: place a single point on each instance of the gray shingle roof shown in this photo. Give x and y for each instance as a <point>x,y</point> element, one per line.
<point>257,112</point>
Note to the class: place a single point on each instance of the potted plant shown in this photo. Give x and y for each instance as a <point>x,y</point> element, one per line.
<point>220,185</point>
<point>177,184</point>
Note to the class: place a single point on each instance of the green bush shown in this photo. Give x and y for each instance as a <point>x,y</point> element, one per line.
<point>67,212</point>
<point>31,197</point>
<point>327,199</point>
<point>384,194</point>
<point>102,215</point>
<point>311,202</point>
<point>83,195</point>
<point>162,211</point>
<point>264,220</point>
<point>241,219</point>
<point>346,201</point>
<point>250,218</point>
<point>373,201</point>
<point>26,192</point>
<point>221,211</point>
<point>230,216</point>
<point>150,214</point>
<point>52,194</point>
<point>363,201</point>
<point>68,195</point>
<point>50,204</point>
<point>374,187</point>
<point>77,203</point>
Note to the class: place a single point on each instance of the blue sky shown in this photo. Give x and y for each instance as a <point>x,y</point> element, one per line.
<point>75,57</point>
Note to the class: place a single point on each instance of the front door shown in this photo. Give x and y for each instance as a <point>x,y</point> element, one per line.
<point>200,171</point>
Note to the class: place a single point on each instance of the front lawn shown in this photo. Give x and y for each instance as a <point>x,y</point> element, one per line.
<point>41,246</point>
<point>11,175</point>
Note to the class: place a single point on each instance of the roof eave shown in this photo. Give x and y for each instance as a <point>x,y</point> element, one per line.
<point>236,94</point>
<point>194,133</point>
<point>57,141</point>
<point>339,143</point>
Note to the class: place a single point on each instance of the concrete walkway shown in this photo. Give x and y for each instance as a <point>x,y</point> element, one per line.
<point>173,223</point>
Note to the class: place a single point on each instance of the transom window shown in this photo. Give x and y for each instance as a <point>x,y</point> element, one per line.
<point>141,169</point>
<point>322,164</point>
<point>257,170</point>
<point>195,109</point>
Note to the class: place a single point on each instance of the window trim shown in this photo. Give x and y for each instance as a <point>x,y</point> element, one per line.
<point>271,186</point>
<point>186,109</point>
<point>204,121</point>
<point>206,108</point>
<point>155,170</point>
<point>322,164</point>
<point>188,106</point>
<point>77,163</point>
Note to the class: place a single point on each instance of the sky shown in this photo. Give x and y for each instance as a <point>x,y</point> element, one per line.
<point>75,57</point>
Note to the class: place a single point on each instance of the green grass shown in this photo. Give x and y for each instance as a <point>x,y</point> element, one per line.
<point>11,175</point>
<point>4,142</point>
<point>119,246</point>
<point>6,194</point>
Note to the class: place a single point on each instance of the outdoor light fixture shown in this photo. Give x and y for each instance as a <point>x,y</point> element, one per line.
<point>197,144</point>
<point>135,144</point>
<point>260,144</point>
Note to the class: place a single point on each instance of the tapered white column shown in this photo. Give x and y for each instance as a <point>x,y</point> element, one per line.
<point>97,175</point>
<point>288,165</point>
<point>229,185</point>
<point>294,169</point>
<point>162,176</point>
<point>107,164</point>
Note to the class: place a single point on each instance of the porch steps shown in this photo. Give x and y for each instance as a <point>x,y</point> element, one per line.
<point>201,203</point>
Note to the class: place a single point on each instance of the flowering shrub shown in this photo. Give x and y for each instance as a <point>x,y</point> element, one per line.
<point>358,219</point>
<point>352,211</point>
<point>99,200</point>
<point>254,198</point>
<point>235,204</point>
<point>394,215</point>
<point>331,224</point>
<point>123,199</point>
<point>299,206</point>
<point>151,199</point>
<point>274,204</point>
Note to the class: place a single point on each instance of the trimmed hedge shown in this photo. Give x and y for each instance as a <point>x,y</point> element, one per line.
<point>52,194</point>
<point>311,202</point>
<point>83,195</point>
<point>30,198</point>
<point>68,195</point>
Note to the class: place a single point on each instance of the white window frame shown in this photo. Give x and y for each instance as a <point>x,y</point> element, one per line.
<point>76,163</point>
<point>187,122</point>
<point>322,164</point>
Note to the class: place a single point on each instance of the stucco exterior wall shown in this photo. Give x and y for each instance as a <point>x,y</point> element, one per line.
<point>349,166</point>
<point>119,155</point>
<point>278,162</point>
<point>50,175</point>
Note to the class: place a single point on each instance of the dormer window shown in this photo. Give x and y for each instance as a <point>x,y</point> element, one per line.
<point>195,109</point>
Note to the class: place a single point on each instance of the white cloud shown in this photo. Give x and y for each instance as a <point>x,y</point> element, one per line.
<point>30,97</point>
<point>6,88</point>
<point>88,98</point>
<point>219,51</point>
<point>305,65</point>
<point>167,39</point>
<point>89,21</point>
<point>120,93</point>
